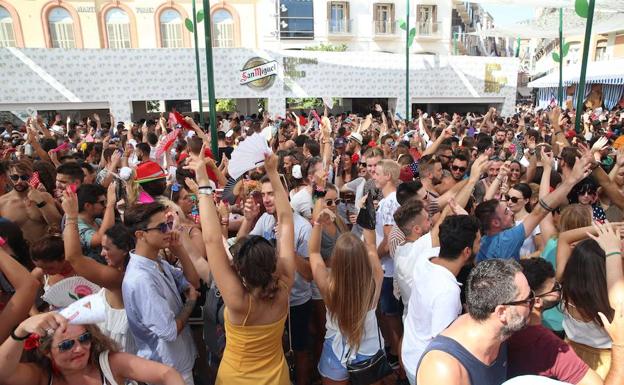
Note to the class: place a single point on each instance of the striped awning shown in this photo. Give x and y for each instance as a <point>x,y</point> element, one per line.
<point>601,72</point>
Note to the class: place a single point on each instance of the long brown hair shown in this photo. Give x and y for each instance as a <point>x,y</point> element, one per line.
<point>351,288</point>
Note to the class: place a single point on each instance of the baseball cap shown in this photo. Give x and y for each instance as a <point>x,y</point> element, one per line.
<point>340,142</point>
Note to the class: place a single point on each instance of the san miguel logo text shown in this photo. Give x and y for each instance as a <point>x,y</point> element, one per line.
<point>258,73</point>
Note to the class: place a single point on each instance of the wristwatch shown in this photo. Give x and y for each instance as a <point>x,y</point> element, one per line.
<point>41,204</point>
<point>205,190</point>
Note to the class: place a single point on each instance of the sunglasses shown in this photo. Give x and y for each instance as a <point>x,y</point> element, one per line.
<point>512,199</point>
<point>556,289</point>
<point>530,300</point>
<point>103,203</point>
<point>458,168</point>
<point>164,227</point>
<point>83,339</point>
<point>16,177</point>
<point>587,191</point>
<point>331,202</point>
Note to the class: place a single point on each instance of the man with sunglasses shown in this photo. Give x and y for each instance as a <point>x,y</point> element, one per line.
<point>473,349</point>
<point>151,290</point>
<point>459,165</point>
<point>96,215</point>
<point>537,350</point>
<point>32,210</point>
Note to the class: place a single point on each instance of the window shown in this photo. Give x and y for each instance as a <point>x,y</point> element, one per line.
<point>118,28</point>
<point>61,27</point>
<point>171,29</point>
<point>426,20</point>
<point>601,50</point>
<point>7,36</point>
<point>384,19</point>
<point>338,15</point>
<point>574,53</point>
<point>296,19</point>
<point>222,29</point>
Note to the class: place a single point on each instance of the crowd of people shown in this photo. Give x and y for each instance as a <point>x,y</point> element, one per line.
<point>366,249</point>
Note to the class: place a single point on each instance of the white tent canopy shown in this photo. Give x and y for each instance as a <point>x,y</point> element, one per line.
<point>611,5</point>
<point>547,27</point>
<point>605,72</point>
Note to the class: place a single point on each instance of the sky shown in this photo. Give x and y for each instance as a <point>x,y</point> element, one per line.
<point>509,14</point>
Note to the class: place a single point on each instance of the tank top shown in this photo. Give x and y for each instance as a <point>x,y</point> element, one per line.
<point>478,372</point>
<point>369,345</point>
<point>586,333</point>
<point>115,325</point>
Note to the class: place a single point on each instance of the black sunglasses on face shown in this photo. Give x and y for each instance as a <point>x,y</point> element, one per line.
<point>331,202</point>
<point>164,227</point>
<point>83,339</point>
<point>556,289</point>
<point>458,168</point>
<point>512,199</point>
<point>529,301</point>
<point>16,177</point>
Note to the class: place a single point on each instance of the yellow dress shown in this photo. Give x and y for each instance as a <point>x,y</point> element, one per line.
<point>253,354</point>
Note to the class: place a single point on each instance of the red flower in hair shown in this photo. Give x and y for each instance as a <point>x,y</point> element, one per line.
<point>32,342</point>
<point>355,158</point>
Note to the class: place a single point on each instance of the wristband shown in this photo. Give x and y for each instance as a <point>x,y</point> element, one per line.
<point>545,206</point>
<point>617,345</point>
<point>17,338</point>
<point>41,204</point>
<point>2,241</point>
<point>614,253</point>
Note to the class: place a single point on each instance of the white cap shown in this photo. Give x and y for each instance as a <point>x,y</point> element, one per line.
<point>357,137</point>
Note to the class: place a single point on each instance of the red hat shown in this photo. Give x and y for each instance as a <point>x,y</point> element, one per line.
<point>570,133</point>
<point>148,171</point>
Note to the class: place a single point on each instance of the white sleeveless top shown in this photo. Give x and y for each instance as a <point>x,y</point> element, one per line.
<point>115,326</point>
<point>586,333</point>
<point>369,345</point>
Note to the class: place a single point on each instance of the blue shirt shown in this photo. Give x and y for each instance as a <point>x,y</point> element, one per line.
<point>152,301</point>
<point>504,245</point>
<point>301,291</point>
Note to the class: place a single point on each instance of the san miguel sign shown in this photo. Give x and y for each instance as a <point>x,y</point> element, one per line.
<point>258,73</point>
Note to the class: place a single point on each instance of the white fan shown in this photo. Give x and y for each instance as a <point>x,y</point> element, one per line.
<point>248,155</point>
<point>86,311</point>
<point>69,290</point>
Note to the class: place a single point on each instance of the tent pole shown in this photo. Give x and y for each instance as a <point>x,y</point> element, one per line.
<point>581,85</point>
<point>561,57</point>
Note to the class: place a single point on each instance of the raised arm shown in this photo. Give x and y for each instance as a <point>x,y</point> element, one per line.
<point>285,222</point>
<point>552,201</point>
<point>129,366</point>
<point>608,237</point>
<point>373,258</point>
<point>26,287</point>
<point>225,276</point>
<point>446,133</point>
<point>103,275</point>
<point>320,216</point>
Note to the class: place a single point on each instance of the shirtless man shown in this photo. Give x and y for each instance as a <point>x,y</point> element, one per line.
<point>32,210</point>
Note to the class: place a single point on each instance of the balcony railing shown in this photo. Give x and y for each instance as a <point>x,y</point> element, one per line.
<point>428,29</point>
<point>384,27</point>
<point>339,26</point>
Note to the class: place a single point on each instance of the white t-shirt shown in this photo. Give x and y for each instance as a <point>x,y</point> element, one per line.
<point>434,303</point>
<point>302,203</point>
<point>385,217</point>
<point>528,246</point>
<point>405,258</point>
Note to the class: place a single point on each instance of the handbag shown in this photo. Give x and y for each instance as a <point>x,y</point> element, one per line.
<point>290,354</point>
<point>371,370</point>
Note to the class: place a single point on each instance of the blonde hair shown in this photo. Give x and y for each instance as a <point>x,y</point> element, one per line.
<point>351,288</point>
<point>575,216</point>
<point>392,168</point>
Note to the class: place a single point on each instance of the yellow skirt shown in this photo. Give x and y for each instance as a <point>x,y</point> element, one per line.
<point>599,360</point>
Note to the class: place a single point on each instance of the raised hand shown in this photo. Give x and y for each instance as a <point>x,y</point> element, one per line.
<point>43,324</point>
<point>197,163</point>
<point>270,163</point>
<point>70,203</point>
<point>608,237</point>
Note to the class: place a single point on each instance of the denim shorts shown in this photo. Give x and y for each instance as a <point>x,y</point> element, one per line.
<point>329,365</point>
<point>388,304</point>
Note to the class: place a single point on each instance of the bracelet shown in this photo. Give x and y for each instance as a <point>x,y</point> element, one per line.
<point>207,186</point>
<point>316,223</point>
<point>17,338</point>
<point>614,253</point>
<point>545,205</point>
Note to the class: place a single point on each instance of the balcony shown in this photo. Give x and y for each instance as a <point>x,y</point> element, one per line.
<point>339,27</point>
<point>428,29</point>
<point>385,28</point>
